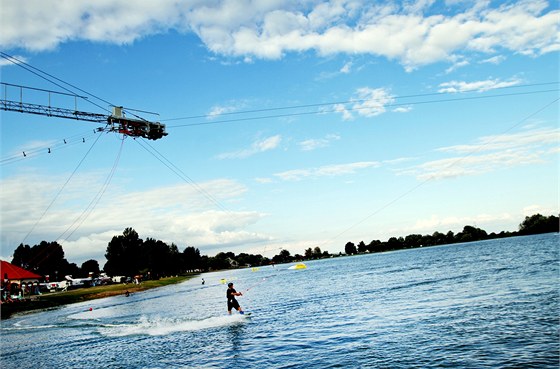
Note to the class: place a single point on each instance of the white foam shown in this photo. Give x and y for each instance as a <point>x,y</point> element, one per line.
<point>160,327</point>
<point>18,327</point>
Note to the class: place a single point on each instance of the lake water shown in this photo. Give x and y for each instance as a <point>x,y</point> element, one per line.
<point>491,304</point>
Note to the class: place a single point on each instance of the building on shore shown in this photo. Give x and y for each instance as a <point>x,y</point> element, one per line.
<point>17,282</point>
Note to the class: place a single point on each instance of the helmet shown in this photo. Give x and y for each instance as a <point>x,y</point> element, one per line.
<point>230,284</point>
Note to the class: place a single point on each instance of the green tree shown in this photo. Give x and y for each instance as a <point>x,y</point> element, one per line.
<point>283,257</point>
<point>350,248</point>
<point>438,238</point>
<point>413,240</point>
<point>46,258</point>
<point>191,259</point>
<point>394,243</point>
<point>22,256</point>
<point>538,223</point>
<point>470,234</point>
<point>222,260</point>
<point>124,254</point>
<point>374,246</point>
<point>174,265</point>
<point>205,262</point>
<point>72,269</point>
<point>245,259</point>
<point>156,258</point>
<point>89,266</point>
<point>362,247</point>
<point>450,237</point>
<point>317,252</point>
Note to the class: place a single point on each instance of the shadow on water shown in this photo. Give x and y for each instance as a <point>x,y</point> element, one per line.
<point>235,335</point>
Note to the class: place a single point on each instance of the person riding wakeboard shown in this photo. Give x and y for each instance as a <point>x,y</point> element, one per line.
<point>232,303</point>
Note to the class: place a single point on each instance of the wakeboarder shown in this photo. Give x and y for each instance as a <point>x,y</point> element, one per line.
<point>232,303</point>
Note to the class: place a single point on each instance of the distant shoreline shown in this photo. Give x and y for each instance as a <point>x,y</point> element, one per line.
<point>57,299</point>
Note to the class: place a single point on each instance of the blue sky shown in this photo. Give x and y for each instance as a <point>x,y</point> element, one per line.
<point>292,124</point>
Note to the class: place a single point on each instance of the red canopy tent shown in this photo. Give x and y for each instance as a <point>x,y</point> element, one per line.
<point>17,274</point>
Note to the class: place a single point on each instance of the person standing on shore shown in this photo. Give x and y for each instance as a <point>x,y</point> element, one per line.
<point>232,302</point>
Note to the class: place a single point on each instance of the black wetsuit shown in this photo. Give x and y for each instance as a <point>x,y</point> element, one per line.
<point>231,301</point>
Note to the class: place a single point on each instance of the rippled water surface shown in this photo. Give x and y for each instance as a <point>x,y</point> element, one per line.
<point>485,304</point>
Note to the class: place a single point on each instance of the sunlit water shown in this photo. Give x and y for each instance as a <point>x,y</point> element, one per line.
<point>492,304</point>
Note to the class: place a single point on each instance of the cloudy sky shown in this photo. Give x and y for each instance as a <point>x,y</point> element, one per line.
<point>292,124</point>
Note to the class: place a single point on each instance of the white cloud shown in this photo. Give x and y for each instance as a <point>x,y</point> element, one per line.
<point>456,224</point>
<point>412,33</point>
<point>402,109</point>
<point>475,164</point>
<point>371,102</point>
<point>267,144</point>
<point>5,62</point>
<point>87,247</point>
<point>221,228</point>
<point>326,171</point>
<point>539,209</point>
<point>417,6</point>
<point>216,111</point>
<point>230,107</point>
<point>41,25</point>
<point>315,143</point>
<point>367,102</point>
<point>457,65</point>
<point>490,154</point>
<point>398,160</point>
<point>498,59</point>
<point>476,86</point>
<point>263,180</point>
<point>346,68</point>
<point>182,214</point>
<point>493,222</point>
<point>528,138</point>
<point>341,108</point>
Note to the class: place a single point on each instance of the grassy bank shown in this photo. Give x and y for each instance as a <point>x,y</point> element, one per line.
<point>51,300</point>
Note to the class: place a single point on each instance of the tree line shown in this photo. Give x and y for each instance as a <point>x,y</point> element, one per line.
<point>534,224</point>
<point>129,255</point>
